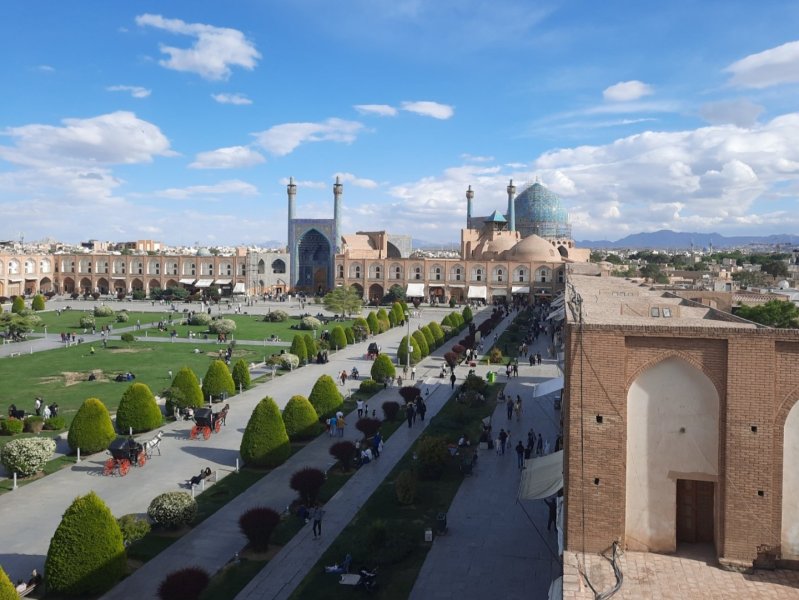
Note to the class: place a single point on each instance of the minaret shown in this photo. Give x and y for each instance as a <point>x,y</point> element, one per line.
<point>469,198</point>
<point>291,189</point>
<point>338,189</point>
<point>511,208</point>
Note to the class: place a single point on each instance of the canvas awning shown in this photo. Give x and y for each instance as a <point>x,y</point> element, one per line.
<point>31,279</point>
<point>456,285</point>
<point>222,281</point>
<point>499,292</point>
<point>558,315</point>
<point>542,477</point>
<point>239,288</point>
<point>547,387</point>
<point>520,289</point>
<point>415,290</point>
<point>14,281</point>
<point>557,302</point>
<point>477,291</point>
<point>203,283</point>
<point>186,281</point>
<point>556,589</point>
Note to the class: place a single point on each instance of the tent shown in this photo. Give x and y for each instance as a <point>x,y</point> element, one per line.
<point>547,387</point>
<point>542,477</point>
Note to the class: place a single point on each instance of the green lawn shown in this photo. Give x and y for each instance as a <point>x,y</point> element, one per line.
<point>68,320</point>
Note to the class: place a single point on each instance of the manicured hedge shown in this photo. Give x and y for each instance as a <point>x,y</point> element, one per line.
<point>310,347</point>
<point>382,368</point>
<point>325,397</point>
<point>91,429</point>
<point>350,335</point>
<point>265,442</point>
<point>7,589</point>
<point>300,418</point>
<point>185,584</point>
<point>223,326</point>
<point>18,305</point>
<point>428,337</point>
<point>38,302</point>
<point>172,509</point>
<point>419,340</point>
<point>438,333</point>
<point>402,352</point>
<point>374,326</point>
<point>138,410</point>
<point>103,311</point>
<point>338,339</point>
<point>27,456</point>
<point>467,314</point>
<point>241,375</point>
<point>298,348</point>
<point>276,316</point>
<point>186,381</point>
<point>218,381</point>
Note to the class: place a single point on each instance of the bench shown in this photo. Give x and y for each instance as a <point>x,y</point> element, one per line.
<point>27,591</point>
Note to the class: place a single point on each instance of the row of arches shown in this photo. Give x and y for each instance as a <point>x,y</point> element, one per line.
<point>26,267</point>
<point>121,266</point>
<point>455,273</point>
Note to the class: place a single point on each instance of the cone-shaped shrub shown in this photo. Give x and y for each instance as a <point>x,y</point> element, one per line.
<point>325,397</point>
<point>86,555</point>
<point>371,320</point>
<point>265,442</point>
<point>361,323</point>
<point>18,305</point>
<point>344,452</point>
<point>419,339</point>
<point>402,352</point>
<point>299,349</point>
<point>188,384</point>
<point>392,321</point>
<point>382,368</point>
<point>428,337</point>
<point>307,483</point>
<point>456,319</point>
<point>310,347</point>
<point>38,302</point>
<point>258,524</point>
<point>218,381</point>
<point>467,315</point>
<point>382,316</point>
<point>138,409</point>
<point>338,339</point>
<point>7,590</point>
<point>438,333</point>
<point>399,314</point>
<point>447,320</point>
<point>91,429</point>
<point>350,335</point>
<point>300,418</point>
<point>185,584</point>
<point>241,375</point>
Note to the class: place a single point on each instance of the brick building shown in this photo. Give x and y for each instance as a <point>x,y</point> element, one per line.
<point>681,426</point>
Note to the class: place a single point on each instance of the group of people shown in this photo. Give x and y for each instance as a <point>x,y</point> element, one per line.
<point>127,376</point>
<point>43,410</point>
<point>413,409</point>
<point>336,425</point>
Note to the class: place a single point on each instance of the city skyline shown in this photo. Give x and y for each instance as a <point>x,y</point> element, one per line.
<point>184,123</point>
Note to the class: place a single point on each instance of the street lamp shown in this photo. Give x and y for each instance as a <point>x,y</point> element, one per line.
<point>408,347</point>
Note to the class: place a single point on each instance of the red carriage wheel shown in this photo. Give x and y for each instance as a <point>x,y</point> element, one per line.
<point>218,425</point>
<point>108,468</point>
<point>142,459</point>
<point>124,467</point>
<point>194,431</point>
<point>206,432</point>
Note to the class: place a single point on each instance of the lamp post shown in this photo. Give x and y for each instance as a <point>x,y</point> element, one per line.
<point>408,346</point>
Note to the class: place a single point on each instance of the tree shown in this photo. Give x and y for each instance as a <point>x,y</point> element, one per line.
<point>241,375</point>
<point>428,337</point>
<point>138,410</point>
<point>382,368</point>
<point>38,302</point>
<point>86,555</point>
<point>419,340</point>
<point>91,430</point>
<point>18,305</point>
<point>774,313</point>
<point>438,333</point>
<point>257,524</point>
<point>399,314</point>
<point>395,292</point>
<point>298,348</point>
<point>218,382</point>
<point>338,339</point>
<point>383,319</point>
<point>374,326</point>
<point>775,268</point>
<point>265,442</point>
<point>310,347</point>
<point>350,335</point>
<point>344,301</point>
<point>7,591</point>
<point>467,314</point>
<point>325,397</point>
<point>361,328</point>
<point>300,418</point>
<point>307,482</point>
<point>402,352</point>
<point>189,386</point>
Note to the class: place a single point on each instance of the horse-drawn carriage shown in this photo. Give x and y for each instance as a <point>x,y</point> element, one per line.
<point>206,421</point>
<point>125,451</point>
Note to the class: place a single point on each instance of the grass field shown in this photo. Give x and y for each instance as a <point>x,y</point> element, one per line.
<point>68,320</point>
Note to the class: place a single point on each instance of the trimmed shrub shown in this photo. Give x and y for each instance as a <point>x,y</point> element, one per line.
<point>258,524</point>
<point>277,316</point>
<point>55,424</point>
<point>325,397</point>
<point>27,456</point>
<point>467,315</point>
<point>138,409</point>
<point>189,386</point>
<point>310,347</point>
<point>344,452</point>
<point>223,326</point>
<point>127,337</point>
<point>172,509</point>
<point>370,386</point>
<point>307,482</point>
<point>122,317</point>
<point>86,555</point>
<point>350,335</point>
<point>361,325</point>
<point>185,584</point>
<point>451,359</point>
<point>382,368</point>
<point>368,426</point>
<point>405,487</point>
<point>448,330</point>
<point>371,320</point>
<point>200,318</point>
<point>391,410</point>
<point>86,321</point>
<point>428,337</point>
<point>432,456</point>
<point>310,323</point>
<point>18,305</point>
<point>288,361</point>
<point>338,338</point>
<point>447,320</point>
<point>300,418</point>
<point>133,528</point>
<point>419,340</point>
<point>33,424</point>
<point>265,442</point>
<point>38,302</point>
<point>409,393</point>
<point>11,426</point>
<point>458,349</point>
<point>91,429</point>
<point>402,352</point>
<point>452,302</point>
<point>218,382</point>
<point>495,356</point>
<point>103,311</point>
<point>7,589</point>
<point>241,375</point>
<point>299,349</point>
<point>382,315</point>
<point>457,320</point>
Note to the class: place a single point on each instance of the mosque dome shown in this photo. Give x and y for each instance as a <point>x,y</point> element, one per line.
<point>539,212</point>
<point>534,248</point>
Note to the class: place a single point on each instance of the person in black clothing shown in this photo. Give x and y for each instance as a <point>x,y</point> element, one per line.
<point>421,407</point>
<point>410,413</point>
<point>452,379</point>
<point>553,513</point>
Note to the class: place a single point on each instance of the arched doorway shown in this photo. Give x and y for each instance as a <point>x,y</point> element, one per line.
<point>314,271</point>
<point>790,486</point>
<point>102,285</point>
<point>376,293</point>
<point>69,285</point>
<point>86,286</point>
<point>45,285</point>
<point>358,288</point>
<point>154,285</point>
<point>672,457</point>
<point>278,266</point>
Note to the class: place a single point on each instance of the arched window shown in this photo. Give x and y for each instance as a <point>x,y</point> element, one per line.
<point>261,267</point>
<point>456,274</point>
<point>375,271</point>
<point>340,271</point>
<point>561,276</point>
<point>396,272</point>
<point>30,266</point>
<point>435,273</point>
<point>119,267</point>
<point>44,265</point>
<point>2,267</point>
<point>417,272</point>
<point>543,275</point>
<point>520,274</point>
<point>278,266</point>
<point>226,268</point>
<point>477,274</point>
<point>355,271</point>
<point>499,274</point>
<point>154,268</point>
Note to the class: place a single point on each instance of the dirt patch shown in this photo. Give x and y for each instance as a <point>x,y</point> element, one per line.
<point>68,378</point>
<point>128,350</point>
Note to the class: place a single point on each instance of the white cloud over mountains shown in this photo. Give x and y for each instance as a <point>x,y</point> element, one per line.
<point>627,91</point>
<point>233,157</point>
<point>285,138</point>
<point>771,67</point>
<point>214,52</point>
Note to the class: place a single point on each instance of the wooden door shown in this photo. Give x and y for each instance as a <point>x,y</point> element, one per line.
<point>694,511</point>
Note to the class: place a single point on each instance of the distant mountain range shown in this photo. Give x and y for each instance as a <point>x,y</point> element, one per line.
<point>666,239</point>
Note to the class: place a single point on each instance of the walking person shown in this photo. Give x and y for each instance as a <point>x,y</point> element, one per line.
<point>503,437</point>
<point>539,446</point>
<point>377,442</point>
<point>343,377</point>
<point>452,380</point>
<point>421,408</point>
<point>520,454</point>
<point>517,408</point>
<point>413,373</point>
<point>552,505</point>
<point>360,404</point>
<point>37,406</point>
<point>316,515</point>
<point>509,407</point>
<point>410,413</point>
<point>340,423</point>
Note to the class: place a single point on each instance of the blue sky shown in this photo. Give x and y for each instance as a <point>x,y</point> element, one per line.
<point>182,121</point>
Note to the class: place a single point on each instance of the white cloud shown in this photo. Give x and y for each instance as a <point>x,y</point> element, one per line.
<point>233,157</point>
<point>627,91</point>
<point>356,181</point>
<point>313,185</point>
<point>743,112</point>
<point>382,110</point>
<point>45,69</point>
<point>238,99</point>
<point>476,158</point>
<point>285,138</point>
<point>774,66</point>
<point>231,187</point>
<point>135,90</point>
<point>427,108</point>
<point>214,52</point>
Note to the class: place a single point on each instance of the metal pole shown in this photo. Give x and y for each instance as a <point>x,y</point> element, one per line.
<point>15,480</point>
<point>408,345</point>
<point>237,465</point>
<point>78,455</point>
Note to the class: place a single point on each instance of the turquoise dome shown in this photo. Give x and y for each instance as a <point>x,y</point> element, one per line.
<point>539,212</point>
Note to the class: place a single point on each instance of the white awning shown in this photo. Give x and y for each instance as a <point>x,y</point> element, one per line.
<point>187,281</point>
<point>547,387</point>
<point>415,290</point>
<point>31,279</point>
<point>203,283</point>
<point>477,291</point>
<point>238,288</point>
<point>558,315</point>
<point>456,285</point>
<point>557,302</point>
<point>542,477</point>
<point>499,292</point>
<point>14,281</point>
<point>556,588</point>
<point>520,289</point>
<point>222,281</point>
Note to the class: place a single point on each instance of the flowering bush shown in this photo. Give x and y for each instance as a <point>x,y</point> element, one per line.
<point>103,311</point>
<point>86,321</point>
<point>310,323</point>
<point>276,316</point>
<point>225,326</point>
<point>173,509</point>
<point>200,319</point>
<point>122,317</point>
<point>289,361</point>
<point>27,456</point>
